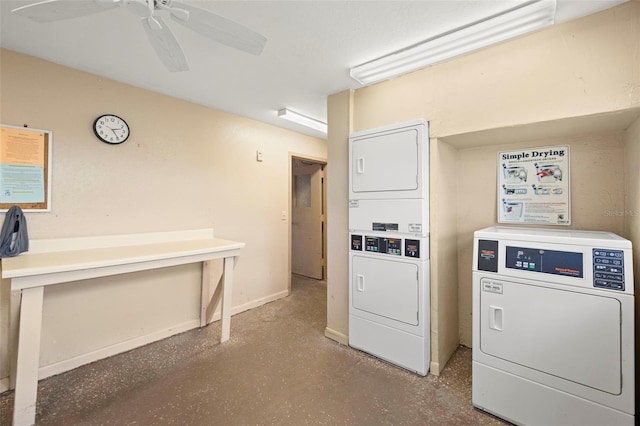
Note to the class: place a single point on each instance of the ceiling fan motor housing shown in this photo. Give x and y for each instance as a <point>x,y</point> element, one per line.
<point>166,3</point>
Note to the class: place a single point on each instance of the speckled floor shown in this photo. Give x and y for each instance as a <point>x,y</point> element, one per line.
<point>277,369</point>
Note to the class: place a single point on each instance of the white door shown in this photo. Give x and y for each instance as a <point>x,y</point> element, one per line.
<point>307,219</point>
<point>558,332</point>
<point>387,162</point>
<point>385,288</point>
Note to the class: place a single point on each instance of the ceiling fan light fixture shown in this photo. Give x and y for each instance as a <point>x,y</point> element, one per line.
<point>522,19</point>
<point>303,120</point>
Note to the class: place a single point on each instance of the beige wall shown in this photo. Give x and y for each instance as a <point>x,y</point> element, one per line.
<point>185,166</point>
<point>631,216</point>
<point>578,68</point>
<point>444,252</point>
<point>586,67</point>
<point>631,213</point>
<point>340,112</point>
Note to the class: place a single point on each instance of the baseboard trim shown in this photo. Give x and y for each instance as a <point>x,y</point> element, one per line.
<point>75,362</point>
<point>434,368</point>
<point>5,385</point>
<point>256,303</point>
<point>341,338</point>
<point>127,345</point>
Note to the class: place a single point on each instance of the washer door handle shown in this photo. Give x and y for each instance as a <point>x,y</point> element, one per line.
<point>360,165</point>
<point>496,318</point>
<point>360,282</point>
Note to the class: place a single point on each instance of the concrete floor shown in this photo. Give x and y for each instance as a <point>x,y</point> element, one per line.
<point>277,369</point>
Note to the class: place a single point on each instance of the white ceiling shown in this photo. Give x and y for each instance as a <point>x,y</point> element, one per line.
<point>311,46</point>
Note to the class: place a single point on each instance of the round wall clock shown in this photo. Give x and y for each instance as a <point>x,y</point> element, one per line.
<point>111,129</point>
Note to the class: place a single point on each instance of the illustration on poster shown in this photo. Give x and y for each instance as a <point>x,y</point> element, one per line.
<point>514,174</point>
<point>548,172</point>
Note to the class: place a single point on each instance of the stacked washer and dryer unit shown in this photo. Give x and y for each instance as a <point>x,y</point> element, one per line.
<point>553,326</point>
<point>389,311</point>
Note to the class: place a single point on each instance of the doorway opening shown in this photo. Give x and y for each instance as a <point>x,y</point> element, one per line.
<point>307,210</point>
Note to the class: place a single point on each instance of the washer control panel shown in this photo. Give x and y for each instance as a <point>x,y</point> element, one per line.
<point>565,263</point>
<point>608,269</point>
<point>596,260</point>
<point>385,245</point>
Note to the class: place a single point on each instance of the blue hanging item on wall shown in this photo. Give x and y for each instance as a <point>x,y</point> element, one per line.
<point>14,238</point>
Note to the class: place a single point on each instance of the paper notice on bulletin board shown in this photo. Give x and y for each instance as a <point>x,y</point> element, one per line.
<point>533,186</point>
<point>25,168</point>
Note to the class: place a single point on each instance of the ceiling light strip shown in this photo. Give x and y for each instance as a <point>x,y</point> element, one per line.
<point>303,120</point>
<point>523,19</point>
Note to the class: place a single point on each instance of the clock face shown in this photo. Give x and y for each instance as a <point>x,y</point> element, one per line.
<point>111,129</point>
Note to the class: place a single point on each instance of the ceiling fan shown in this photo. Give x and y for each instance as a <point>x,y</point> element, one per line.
<point>202,21</point>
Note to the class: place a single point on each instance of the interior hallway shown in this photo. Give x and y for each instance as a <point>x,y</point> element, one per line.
<point>277,369</point>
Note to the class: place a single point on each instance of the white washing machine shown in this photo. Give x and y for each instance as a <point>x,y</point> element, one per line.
<point>553,326</point>
<point>389,312</point>
<point>389,298</point>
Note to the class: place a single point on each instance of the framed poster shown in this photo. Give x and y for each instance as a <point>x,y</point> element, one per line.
<point>25,168</point>
<point>534,186</point>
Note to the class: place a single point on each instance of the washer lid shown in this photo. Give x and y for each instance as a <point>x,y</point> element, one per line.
<point>554,236</point>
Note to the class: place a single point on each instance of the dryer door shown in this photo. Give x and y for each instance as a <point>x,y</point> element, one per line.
<point>387,162</point>
<point>385,288</point>
<point>558,332</point>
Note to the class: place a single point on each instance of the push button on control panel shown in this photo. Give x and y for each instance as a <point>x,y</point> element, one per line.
<point>608,269</point>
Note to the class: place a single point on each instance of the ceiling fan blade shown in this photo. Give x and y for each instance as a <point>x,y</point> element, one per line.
<point>56,10</point>
<point>219,29</point>
<point>165,45</point>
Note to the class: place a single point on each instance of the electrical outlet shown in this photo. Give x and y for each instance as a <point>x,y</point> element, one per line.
<point>258,155</point>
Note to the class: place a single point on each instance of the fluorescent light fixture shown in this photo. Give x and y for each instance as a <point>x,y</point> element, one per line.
<point>303,120</point>
<point>522,19</point>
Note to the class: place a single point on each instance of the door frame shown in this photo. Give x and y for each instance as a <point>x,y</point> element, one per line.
<point>319,160</point>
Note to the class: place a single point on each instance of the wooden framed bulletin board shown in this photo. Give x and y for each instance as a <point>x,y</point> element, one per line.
<point>25,168</point>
